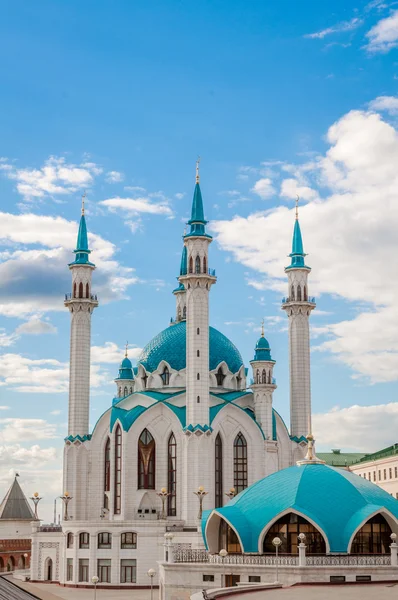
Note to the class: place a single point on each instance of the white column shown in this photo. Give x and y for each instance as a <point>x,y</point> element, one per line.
<point>394,554</point>
<point>302,555</point>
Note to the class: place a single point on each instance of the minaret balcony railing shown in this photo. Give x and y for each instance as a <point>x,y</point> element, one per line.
<point>310,300</point>
<point>273,382</point>
<point>71,297</point>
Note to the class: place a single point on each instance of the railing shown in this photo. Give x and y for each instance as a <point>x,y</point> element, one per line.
<point>190,555</point>
<point>255,559</point>
<point>310,299</point>
<point>349,560</point>
<point>70,297</point>
<point>50,528</point>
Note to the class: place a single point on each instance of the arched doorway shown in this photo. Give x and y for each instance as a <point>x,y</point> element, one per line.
<point>11,564</point>
<point>373,537</point>
<point>287,528</point>
<point>48,569</point>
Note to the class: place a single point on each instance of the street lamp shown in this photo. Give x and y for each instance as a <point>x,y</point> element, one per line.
<point>36,499</point>
<point>163,495</point>
<point>66,499</point>
<point>95,580</point>
<point>276,542</point>
<point>26,555</point>
<point>231,494</point>
<point>151,574</point>
<point>223,553</point>
<point>200,494</point>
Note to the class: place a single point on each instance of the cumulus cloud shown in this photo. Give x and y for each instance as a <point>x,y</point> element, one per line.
<point>290,188</point>
<point>341,27</point>
<point>15,429</point>
<point>35,327</point>
<point>264,188</point>
<point>350,235</point>
<point>385,103</point>
<point>384,35</point>
<point>111,353</point>
<point>134,206</point>
<point>114,177</point>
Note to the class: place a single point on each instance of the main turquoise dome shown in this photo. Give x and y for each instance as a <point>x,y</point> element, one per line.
<point>170,345</point>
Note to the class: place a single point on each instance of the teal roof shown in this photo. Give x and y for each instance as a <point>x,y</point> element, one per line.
<point>170,345</point>
<point>297,254</point>
<point>184,261</point>
<point>262,350</point>
<point>336,500</point>
<point>197,220</point>
<point>126,369</point>
<point>82,252</point>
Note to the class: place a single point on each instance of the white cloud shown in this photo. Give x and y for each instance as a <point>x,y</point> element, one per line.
<point>387,103</point>
<point>55,177</point>
<point>7,339</point>
<point>263,188</point>
<point>137,205</point>
<point>111,353</point>
<point>361,428</point>
<point>35,327</point>
<point>16,453</point>
<point>27,375</point>
<point>338,28</point>
<point>16,429</point>
<point>384,35</point>
<point>290,188</point>
<point>114,177</point>
<point>55,412</point>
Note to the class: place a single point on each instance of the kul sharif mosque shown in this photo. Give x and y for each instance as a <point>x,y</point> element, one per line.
<point>190,427</point>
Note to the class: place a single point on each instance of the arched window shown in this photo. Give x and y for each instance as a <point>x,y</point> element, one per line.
<point>146,461</point>
<point>144,380</point>
<point>288,528</point>
<point>131,390</point>
<point>218,472</point>
<point>198,376</point>
<point>179,313</point>
<point>238,380</point>
<point>107,472</point>
<point>258,376</point>
<point>299,293</point>
<point>269,377</point>
<point>184,312</point>
<point>84,540</point>
<point>104,540</point>
<point>228,539</point>
<point>80,290</point>
<point>125,391</point>
<point>191,265</point>
<point>197,352</point>
<point>74,290</point>
<point>120,392</point>
<point>292,293</point>
<point>69,540</point>
<point>165,376</point>
<point>264,376</point>
<point>305,294</point>
<point>204,265</point>
<point>198,331</point>
<point>48,569</point>
<point>172,476</point>
<point>11,563</point>
<point>220,376</point>
<point>197,265</point>
<point>373,537</point>
<point>240,463</point>
<point>118,471</point>
<point>198,400</point>
<point>87,291</point>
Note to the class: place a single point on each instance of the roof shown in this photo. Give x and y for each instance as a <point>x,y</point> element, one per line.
<point>82,252</point>
<point>262,350</point>
<point>126,369</point>
<point>170,345</point>
<point>380,454</point>
<point>15,505</point>
<point>335,500</point>
<point>336,458</point>
<point>197,220</point>
<point>297,254</point>
<point>184,262</point>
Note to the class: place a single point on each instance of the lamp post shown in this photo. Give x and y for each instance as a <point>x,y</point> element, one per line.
<point>163,495</point>
<point>223,553</point>
<point>151,574</point>
<point>66,499</point>
<point>276,542</point>
<point>36,499</point>
<point>95,580</point>
<point>231,494</point>
<point>200,494</point>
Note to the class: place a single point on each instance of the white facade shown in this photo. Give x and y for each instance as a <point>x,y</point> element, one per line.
<point>185,419</point>
<point>382,471</point>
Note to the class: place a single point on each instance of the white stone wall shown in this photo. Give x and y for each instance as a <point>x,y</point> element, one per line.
<point>383,472</point>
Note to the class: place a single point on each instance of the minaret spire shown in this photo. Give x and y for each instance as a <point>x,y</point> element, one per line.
<point>197,170</point>
<point>83,199</point>
<point>127,348</point>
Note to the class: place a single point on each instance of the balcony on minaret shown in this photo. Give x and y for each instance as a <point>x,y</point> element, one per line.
<point>292,300</point>
<point>92,298</point>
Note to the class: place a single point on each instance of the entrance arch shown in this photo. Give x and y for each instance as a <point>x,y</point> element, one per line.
<point>48,569</point>
<point>287,528</point>
<point>373,537</point>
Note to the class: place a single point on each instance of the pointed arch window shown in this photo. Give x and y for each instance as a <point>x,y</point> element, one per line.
<point>264,376</point>
<point>87,291</point>
<point>172,476</point>
<point>191,265</point>
<point>146,461</point>
<point>107,472</point>
<point>184,312</point>
<point>74,290</point>
<point>240,463</point>
<point>144,380</point>
<point>299,293</point>
<point>288,528</point>
<point>373,537</point>
<point>80,290</point>
<point>269,377</point>
<point>165,376</point>
<point>218,472</point>
<point>118,471</point>
<point>292,293</point>
<point>305,294</point>
<point>204,265</point>
<point>220,377</point>
<point>197,265</point>
<point>125,392</point>
<point>258,376</point>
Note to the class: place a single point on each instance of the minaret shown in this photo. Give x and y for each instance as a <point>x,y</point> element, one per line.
<point>263,384</point>
<point>197,282</point>
<point>180,292</point>
<point>298,306</point>
<point>125,380</point>
<point>81,303</point>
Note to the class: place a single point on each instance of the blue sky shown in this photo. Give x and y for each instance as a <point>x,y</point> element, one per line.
<point>119,98</point>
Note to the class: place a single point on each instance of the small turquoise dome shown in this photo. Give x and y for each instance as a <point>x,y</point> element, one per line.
<point>170,345</point>
<point>262,350</point>
<point>337,501</point>
<point>126,369</point>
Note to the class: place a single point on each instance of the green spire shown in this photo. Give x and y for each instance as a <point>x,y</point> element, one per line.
<point>197,220</point>
<point>297,254</point>
<point>82,252</point>
<point>184,262</point>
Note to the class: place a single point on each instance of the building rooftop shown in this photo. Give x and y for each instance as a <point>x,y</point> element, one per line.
<point>15,505</point>
<point>337,458</point>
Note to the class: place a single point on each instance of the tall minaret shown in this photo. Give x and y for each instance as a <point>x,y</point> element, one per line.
<point>298,306</point>
<point>179,292</point>
<point>81,303</point>
<point>197,283</point>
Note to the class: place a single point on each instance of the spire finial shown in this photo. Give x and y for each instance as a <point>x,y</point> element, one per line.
<point>127,347</point>
<point>297,203</point>
<point>197,169</point>
<point>83,199</point>
<point>262,328</point>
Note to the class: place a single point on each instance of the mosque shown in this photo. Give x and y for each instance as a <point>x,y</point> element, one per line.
<point>190,427</point>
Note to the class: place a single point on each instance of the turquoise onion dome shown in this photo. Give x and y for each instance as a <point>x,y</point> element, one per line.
<point>262,350</point>
<point>126,368</point>
<point>170,345</point>
<point>337,502</point>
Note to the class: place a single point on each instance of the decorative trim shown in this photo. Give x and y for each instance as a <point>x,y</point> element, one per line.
<point>74,438</point>
<point>43,546</point>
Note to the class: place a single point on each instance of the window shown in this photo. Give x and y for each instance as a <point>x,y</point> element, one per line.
<point>396,472</point>
<point>118,471</point>
<point>228,539</point>
<point>220,377</point>
<point>80,290</point>
<point>191,265</point>
<point>385,473</point>
<point>254,579</point>
<point>84,540</point>
<point>69,540</point>
<point>292,293</point>
<point>379,475</point>
<point>258,376</point>
<point>74,290</point>
<point>390,473</point>
<point>218,472</point>
<point>146,461</point>
<point>197,352</point>
<point>288,528</point>
<point>172,476</point>
<point>69,569</point>
<point>104,570</point>
<point>107,471</point>
<point>374,475</point>
<point>198,331</point>
<point>184,312</point>
<point>370,476</point>
<point>208,577</point>
<point>396,495</point>
<point>305,294</point>
<point>165,376</point>
<point>240,463</point>
<point>299,293</point>
<point>198,400</point>
<point>87,291</point>
<point>198,376</point>
<point>128,570</point>
<point>264,376</point>
<point>144,380</point>
<point>204,265</point>
<point>373,537</point>
<point>83,569</point>
<point>128,540</point>
<point>197,265</point>
<point>104,540</point>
